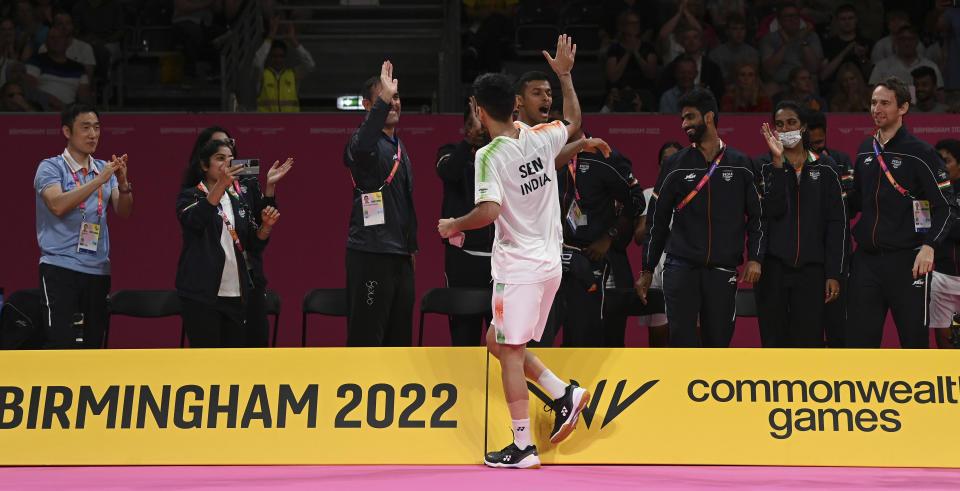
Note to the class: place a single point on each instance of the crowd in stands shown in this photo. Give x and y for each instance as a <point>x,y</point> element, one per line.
<point>749,53</point>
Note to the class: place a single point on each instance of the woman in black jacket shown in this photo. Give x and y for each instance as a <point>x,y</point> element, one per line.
<point>218,230</point>
<point>257,327</point>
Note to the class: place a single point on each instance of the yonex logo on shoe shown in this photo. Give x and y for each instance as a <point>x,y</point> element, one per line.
<point>563,412</point>
<point>521,428</point>
<point>506,458</point>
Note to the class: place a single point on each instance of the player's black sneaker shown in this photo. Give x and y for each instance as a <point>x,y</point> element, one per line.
<point>567,411</point>
<point>513,457</point>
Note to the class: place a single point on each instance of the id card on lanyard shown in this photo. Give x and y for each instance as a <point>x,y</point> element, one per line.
<point>88,239</point>
<point>575,216</point>
<point>922,220</point>
<point>231,229</point>
<point>372,203</point>
<point>705,178</point>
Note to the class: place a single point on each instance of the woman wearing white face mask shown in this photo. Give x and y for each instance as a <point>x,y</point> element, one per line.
<point>807,227</point>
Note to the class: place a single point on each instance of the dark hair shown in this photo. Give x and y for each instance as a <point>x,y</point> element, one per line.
<point>736,19</point>
<point>785,5</point>
<point>61,11</point>
<point>495,95</point>
<point>278,43</point>
<point>816,120</point>
<point>924,71</point>
<point>664,147</point>
<point>367,90</point>
<point>195,173</point>
<point>801,116</point>
<point>796,71</point>
<point>900,90</point>
<point>70,113</point>
<point>908,29</point>
<point>951,145</point>
<point>531,76</point>
<point>847,7</point>
<point>703,100</point>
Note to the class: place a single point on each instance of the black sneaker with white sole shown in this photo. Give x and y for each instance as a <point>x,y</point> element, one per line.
<point>514,458</point>
<point>567,411</point>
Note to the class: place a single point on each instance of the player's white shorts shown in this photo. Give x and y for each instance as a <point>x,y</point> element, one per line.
<point>520,311</point>
<point>944,299</point>
<point>657,283</point>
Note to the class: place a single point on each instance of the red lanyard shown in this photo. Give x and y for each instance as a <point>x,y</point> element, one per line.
<point>396,165</point>
<point>83,204</point>
<point>705,178</point>
<point>226,221</point>
<point>883,165</point>
<point>572,167</point>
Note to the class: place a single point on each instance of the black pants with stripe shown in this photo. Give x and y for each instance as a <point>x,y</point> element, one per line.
<point>884,281</point>
<point>380,296</point>
<point>790,305</point>
<point>68,295</point>
<point>835,315</point>
<point>708,293</point>
<point>466,270</point>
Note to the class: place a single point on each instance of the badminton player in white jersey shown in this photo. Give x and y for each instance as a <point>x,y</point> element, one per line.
<point>516,188</point>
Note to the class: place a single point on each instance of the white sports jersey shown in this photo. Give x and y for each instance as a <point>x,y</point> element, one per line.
<point>519,174</point>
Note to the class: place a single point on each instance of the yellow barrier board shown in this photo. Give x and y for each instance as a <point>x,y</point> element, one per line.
<point>895,408</point>
<point>242,406</point>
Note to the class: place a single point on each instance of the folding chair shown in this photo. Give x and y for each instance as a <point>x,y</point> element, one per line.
<point>454,301</point>
<point>323,301</point>
<point>142,303</point>
<point>273,308</point>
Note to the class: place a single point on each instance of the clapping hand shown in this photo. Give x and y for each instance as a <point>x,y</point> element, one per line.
<point>277,171</point>
<point>772,137</point>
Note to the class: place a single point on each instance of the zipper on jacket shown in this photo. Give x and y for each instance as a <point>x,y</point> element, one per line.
<point>709,225</point>
<point>876,201</point>
<point>797,259</point>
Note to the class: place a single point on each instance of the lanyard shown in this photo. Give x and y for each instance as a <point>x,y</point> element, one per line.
<point>83,204</point>
<point>396,165</point>
<point>235,192</point>
<point>883,165</point>
<point>572,167</point>
<point>705,178</point>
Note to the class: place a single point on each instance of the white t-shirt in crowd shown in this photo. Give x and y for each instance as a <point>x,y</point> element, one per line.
<point>230,279</point>
<point>78,51</point>
<point>519,174</point>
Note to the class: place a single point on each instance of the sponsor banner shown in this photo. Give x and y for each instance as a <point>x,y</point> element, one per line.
<point>243,406</point>
<point>747,407</point>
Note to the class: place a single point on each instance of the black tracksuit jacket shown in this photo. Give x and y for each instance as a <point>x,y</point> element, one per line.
<point>710,229</point>
<point>806,220</point>
<point>886,220</point>
<point>455,166</point>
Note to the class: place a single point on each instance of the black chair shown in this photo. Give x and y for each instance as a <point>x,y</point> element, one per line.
<point>142,303</point>
<point>746,303</point>
<point>323,301</point>
<point>587,37</point>
<point>273,308</point>
<point>454,301</point>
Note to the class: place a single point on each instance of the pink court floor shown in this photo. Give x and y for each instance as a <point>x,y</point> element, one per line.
<point>461,478</point>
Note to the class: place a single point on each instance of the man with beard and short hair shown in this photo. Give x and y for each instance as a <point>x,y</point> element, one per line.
<point>904,195</point>
<point>709,190</point>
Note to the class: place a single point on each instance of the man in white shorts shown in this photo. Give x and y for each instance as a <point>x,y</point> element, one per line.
<point>516,188</point>
<point>945,280</point>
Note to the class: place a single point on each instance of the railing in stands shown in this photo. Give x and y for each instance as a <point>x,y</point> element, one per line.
<point>237,78</point>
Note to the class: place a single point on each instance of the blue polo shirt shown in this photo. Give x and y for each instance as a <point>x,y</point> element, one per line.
<point>58,236</point>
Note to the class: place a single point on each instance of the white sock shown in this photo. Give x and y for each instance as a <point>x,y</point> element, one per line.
<point>521,433</point>
<point>553,385</point>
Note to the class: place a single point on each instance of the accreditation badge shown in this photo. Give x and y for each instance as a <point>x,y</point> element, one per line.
<point>921,215</point>
<point>372,204</point>
<point>89,238</point>
<point>576,217</point>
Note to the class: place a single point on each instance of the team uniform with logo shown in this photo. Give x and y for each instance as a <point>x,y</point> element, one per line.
<point>712,204</point>
<point>945,279</point>
<point>519,174</point>
<point>903,194</point>
<point>807,230</point>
